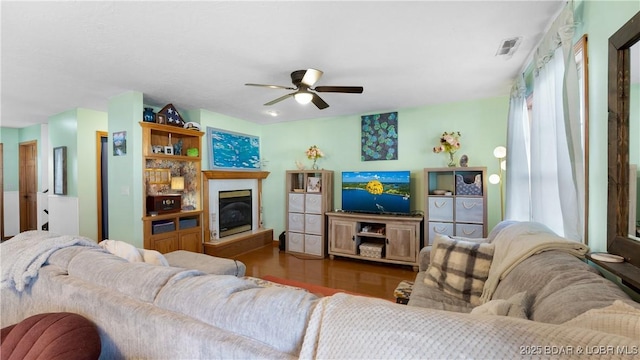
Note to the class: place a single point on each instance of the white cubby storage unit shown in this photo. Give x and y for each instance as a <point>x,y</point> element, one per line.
<point>456,202</point>
<point>309,196</point>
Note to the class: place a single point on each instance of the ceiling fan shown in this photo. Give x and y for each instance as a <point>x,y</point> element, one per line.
<point>304,80</point>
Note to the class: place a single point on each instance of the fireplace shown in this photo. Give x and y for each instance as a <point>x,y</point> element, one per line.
<point>235,211</point>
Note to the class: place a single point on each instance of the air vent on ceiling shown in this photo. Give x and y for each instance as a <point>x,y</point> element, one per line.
<point>509,46</point>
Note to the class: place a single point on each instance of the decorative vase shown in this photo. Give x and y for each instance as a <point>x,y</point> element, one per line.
<point>148,115</point>
<point>315,165</point>
<point>452,161</point>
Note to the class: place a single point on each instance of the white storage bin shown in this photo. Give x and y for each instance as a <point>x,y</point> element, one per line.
<point>313,203</point>
<point>436,228</point>
<point>474,231</point>
<point>296,222</point>
<point>469,210</point>
<point>296,202</point>
<point>295,242</point>
<point>313,224</point>
<point>440,208</point>
<point>313,244</point>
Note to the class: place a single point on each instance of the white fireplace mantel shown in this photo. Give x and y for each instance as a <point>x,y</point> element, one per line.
<point>222,180</point>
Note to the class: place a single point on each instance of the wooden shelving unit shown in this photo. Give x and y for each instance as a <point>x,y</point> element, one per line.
<point>309,197</point>
<point>182,229</point>
<point>462,209</point>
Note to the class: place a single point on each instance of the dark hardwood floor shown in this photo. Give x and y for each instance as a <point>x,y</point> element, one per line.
<point>360,276</point>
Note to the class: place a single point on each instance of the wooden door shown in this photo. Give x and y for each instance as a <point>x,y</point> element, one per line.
<point>342,237</point>
<point>28,183</point>
<point>401,242</point>
<point>191,240</point>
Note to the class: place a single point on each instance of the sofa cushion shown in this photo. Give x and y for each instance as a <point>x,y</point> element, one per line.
<point>423,295</point>
<point>272,315</point>
<point>459,268</point>
<point>139,280</point>
<point>206,263</point>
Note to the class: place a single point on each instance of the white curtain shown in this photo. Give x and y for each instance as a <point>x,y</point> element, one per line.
<point>556,168</point>
<point>518,185</point>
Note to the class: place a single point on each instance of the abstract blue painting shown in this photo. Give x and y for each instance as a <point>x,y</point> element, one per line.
<point>231,150</point>
<point>379,137</point>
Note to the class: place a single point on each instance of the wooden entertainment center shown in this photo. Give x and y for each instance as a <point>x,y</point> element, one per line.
<point>394,239</point>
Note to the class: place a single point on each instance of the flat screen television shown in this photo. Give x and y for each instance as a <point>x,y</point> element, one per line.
<point>376,192</point>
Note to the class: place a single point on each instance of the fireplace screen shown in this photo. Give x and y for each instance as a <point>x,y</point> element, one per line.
<point>235,211</point>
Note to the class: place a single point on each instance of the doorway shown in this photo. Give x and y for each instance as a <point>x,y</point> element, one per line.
<point>102,177</point>
<point>28,185</point>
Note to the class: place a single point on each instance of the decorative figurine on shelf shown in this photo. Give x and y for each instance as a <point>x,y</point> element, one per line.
<point>449,143</point>
<point>464,161</point>
<point>300,165</point>
<point>177,148</point>
<point>148,115</point>
<point>314,153</point>
<point>193,152</point>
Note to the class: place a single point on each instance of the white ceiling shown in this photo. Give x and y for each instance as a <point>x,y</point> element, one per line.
<point>57,56</point>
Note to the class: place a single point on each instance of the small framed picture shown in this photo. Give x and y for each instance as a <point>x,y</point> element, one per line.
<point>161,119</point>
<point>314,184</point>
<point>168,150</point>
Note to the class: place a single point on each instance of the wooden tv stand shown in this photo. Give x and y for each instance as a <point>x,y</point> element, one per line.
<point>397,238</point>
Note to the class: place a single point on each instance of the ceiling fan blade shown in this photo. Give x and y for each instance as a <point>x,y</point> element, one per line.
<point>317,101</point>
<point>279,99</point>
<point>340,89</point>
<point>311,77</point>
<point>273,86</point>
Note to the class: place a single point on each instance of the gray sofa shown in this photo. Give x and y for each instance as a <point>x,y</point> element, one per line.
<point>145,311</point>
<point>558,286</point>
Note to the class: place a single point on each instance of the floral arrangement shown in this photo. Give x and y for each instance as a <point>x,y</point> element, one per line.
<point>449,143</point>
<point>314,153</point>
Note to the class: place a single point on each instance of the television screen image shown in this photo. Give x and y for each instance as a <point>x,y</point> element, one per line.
<point>386,192</point>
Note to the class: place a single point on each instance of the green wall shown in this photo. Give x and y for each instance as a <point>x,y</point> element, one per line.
<point>88,123</point>
<point>10,139</point>
<point>481,122</point>
<point>125,172</point>
<point>63,131</point>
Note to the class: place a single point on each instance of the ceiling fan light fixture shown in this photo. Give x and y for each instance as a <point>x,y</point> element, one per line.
<point>303,97</point>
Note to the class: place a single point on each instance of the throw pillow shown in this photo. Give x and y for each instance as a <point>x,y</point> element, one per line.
<point>122,249</point>
<point>459,268</point>
<point>515,306</point>
<point>153,257</point>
